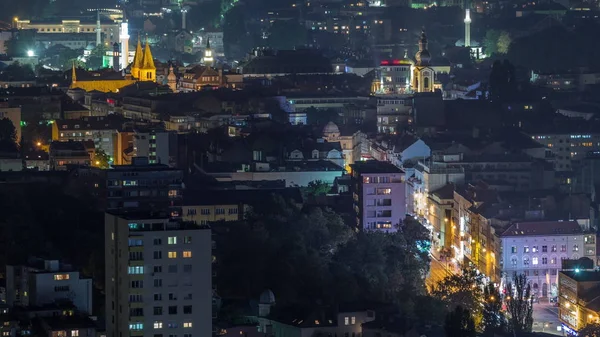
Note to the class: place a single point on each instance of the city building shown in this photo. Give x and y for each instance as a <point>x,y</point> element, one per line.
<point>393,112</point>
<point>578,301</point>
<point>569,148</point>
<point>43,282</point>
<point>144,186</point>
<point>12,113</point>
<point>378,191</point>
<point>159,146</point>
<point>68,153</point>
<point>349,140</point>
<point>101,130</point>
<point>395,77</point>
<point>110,28</point>
<point>142,70</point>
<point>158,276</point>
<point>75,41</point>
<point>536,250</point>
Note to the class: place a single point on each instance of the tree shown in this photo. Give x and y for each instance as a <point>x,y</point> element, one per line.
<point>490,43</point>
<point>459,323</point>
<point>17,71</point>
<point>504,41</point>
<point>96,58</point>
<point>316,188</point>
<point>590,330</point>
<point>8,136</point>
<point>464,290</point>
<point>519,304</point>
<point>502,82</point>
<point>493,319</point>
<point>101,159</point>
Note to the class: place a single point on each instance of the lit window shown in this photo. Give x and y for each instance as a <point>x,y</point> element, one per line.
<point>187,239</point>
<point>172,255</point>
<point>353,321</point>
<point>187,324</point>
<point>187,253</point>
<point>135,270</point>
<point>136,326</point>
<point>157,325</point>
<point>75,333</point>
<point>61,277</point>
<point>346,320</point>
<point>534,260</point>
<point>172,240</point>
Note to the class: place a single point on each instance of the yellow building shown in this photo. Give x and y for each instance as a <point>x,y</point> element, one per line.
<point>110,29</point>
<point>578,301</point>
<point>142,69</point>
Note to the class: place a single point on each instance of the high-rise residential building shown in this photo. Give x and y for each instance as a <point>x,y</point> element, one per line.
<point>158,276</point>
<point>160,146</point>
<point>378,190</point>
<point>42,282</point>
<point>144,186</point>
<point>537,249</point>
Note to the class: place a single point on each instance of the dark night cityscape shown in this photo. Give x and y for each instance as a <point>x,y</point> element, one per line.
<point>299,168</point>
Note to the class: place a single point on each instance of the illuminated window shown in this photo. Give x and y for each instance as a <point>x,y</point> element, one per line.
<point>75,333</point>
<point>136,326</point>
<point>534,260</point>
<point>158,325</point>
<point>187,253</point>
<point>187,239</point>
<point>346,320</point>
<point>172,240</point>
<point>135,270</point>
<point>353,320</point>
<point>187,324</point>
<point>61,277</point>
<point>172,255</point>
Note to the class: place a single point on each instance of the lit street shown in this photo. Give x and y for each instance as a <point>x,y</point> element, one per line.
<point>437,272</point>
<point>545,318</point>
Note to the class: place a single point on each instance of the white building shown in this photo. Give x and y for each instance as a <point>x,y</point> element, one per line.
<point>158,277</point>
<point>392,111</point>
<point>537,249</point>
<point>569,148</point>
<point>159,146</point>
<point>378,190</point>
<point>43,282</point>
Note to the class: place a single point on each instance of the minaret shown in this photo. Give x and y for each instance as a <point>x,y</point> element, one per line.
<point>73,74</point>
<point>467,28</point>
<point>124,38</point>
<point>116,56</point>
<point>208,56</point>
<point>98,29</point>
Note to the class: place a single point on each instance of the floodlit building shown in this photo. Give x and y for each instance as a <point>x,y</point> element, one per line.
<point>578,301</point>
<point>158,276</point>
<point>536,250</point>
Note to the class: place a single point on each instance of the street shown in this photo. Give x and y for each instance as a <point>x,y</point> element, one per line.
<point>437,272</point>
<point>545,317</point>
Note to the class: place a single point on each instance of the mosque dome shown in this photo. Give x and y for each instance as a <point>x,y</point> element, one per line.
<point>267,297</point>
<point>331,128</point>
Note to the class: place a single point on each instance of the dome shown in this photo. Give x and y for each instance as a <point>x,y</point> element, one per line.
<point>267,297</point>
<point>423,57</point>
<point>330,128</point>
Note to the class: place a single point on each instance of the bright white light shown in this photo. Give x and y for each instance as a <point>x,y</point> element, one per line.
<point>30,53</point>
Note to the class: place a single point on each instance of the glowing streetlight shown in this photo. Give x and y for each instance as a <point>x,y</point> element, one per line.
<point>30,53</point>
<point>39,143</point>
<point>97,162</point>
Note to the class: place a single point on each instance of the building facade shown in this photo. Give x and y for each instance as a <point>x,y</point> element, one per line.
<point>158,276</point>
<point>110,29</point>
<point>44,282</point>
<point>578,301</point>
<point>536,249</point>
<point>378,191</point>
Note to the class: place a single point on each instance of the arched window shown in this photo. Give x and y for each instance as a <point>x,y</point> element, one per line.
<point>426,83</point>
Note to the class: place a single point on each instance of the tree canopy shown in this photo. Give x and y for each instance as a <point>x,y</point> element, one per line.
<point>307,255</point>
<point>286,34</point>
<point>519,304</point>
<point>8,136</point>
<point>459,323</point>
<point>96,57</point>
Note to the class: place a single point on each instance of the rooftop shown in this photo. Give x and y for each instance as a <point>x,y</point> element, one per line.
<point>583,275</point>
<point>374,166</point>
<point>543,228</point>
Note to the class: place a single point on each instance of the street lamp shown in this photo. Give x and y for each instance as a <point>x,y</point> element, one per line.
<point>30,53</point>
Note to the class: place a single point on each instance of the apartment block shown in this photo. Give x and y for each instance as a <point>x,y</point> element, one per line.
<point>378,191</point>
<point>42,282</point>
<point>158,276</point>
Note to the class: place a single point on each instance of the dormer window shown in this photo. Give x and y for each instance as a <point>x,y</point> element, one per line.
<point>315,154</point>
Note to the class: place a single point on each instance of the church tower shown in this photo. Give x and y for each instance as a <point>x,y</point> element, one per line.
<point>172,79</point>
<point>423,74</point>
<point>137,60</point>
<point>148,69</point>
<point>208,54</point>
